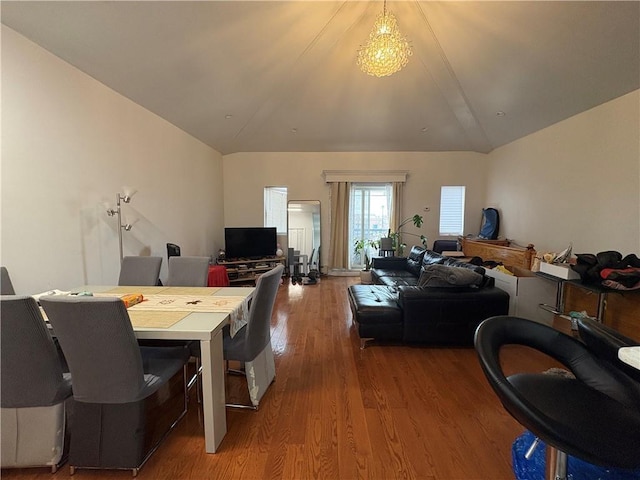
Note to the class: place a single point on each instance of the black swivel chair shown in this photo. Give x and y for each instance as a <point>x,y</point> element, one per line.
<point>440,246</point>
<point>594,416</point>
<point>173,250</point>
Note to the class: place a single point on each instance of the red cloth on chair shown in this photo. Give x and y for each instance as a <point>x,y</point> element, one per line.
<point>217,276</point>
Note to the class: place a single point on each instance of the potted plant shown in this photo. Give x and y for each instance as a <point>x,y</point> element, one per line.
<point>395,238</point>
<point>361,248</point>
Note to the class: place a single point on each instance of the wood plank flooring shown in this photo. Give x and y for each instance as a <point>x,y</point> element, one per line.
<point>338,412</point>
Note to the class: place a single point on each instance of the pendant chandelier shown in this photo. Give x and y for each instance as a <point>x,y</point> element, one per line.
<point>387,51</point>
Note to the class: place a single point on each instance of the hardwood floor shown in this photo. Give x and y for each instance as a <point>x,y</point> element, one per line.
<point>338,412</point>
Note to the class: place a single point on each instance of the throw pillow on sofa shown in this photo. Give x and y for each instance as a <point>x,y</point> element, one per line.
<point>445,276</point>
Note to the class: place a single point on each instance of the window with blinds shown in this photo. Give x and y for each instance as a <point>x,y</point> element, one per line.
<point>275,208</point>
<point>452,210</point>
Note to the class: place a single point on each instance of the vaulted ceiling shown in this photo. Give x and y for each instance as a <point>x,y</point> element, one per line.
<point>282,76</point>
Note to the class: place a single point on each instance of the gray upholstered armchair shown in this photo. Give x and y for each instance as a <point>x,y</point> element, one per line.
<point>127,397</point>
<point>34,388</point>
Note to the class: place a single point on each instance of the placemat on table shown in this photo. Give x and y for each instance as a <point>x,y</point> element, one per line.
<point>190,303</point>
<point>155,319</point>
<point>147,319</point>
<point>133,289</point>
<point>189,291</point>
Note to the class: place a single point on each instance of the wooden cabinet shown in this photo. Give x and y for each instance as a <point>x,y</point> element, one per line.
<point>246,270</point>
<point>619,309</point>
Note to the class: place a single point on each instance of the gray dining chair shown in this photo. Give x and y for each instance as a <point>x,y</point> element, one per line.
<point>253,340</point>
<point>127,398</point>
<point>6,287</point>
<point>188,271</point>
<point>139,271</point>
<point>33,388</point>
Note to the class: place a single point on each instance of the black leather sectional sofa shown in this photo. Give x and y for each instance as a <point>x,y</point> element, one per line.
<point>397,271</point>
<point>396,308</point>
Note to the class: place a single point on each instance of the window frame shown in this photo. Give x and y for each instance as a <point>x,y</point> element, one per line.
<point>452,205</point>
<point>364,206</point>
<point>275,201</point>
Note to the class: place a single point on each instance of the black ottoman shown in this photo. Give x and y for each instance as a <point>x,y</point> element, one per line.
<point>376,312</point>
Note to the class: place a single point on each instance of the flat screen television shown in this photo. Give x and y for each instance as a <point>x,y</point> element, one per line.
<point>250,242</point>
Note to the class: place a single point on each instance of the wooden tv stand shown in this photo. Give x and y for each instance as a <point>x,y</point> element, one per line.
<point>243,270</point>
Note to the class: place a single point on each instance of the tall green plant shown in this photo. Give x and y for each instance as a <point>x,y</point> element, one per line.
<point>398,244</point>
<point>361,247</point>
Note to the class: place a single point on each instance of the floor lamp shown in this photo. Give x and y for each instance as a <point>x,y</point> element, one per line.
<point>126,198</point>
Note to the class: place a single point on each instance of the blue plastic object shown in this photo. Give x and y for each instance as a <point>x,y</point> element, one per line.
<point>533,469</point>
<point>490,224</point>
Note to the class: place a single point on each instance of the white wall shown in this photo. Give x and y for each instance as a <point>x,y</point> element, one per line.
<point>69,144</point>
<point>576,181</point>
<point>246,175</point>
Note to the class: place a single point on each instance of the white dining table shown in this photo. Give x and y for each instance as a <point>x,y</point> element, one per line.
<point>205,327</point>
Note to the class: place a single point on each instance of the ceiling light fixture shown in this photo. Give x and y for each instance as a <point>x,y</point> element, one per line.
<point>387,51</point>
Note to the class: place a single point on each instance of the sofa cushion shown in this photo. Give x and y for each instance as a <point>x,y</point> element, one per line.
<point>448,316</point>
<point>410,280</point>
<point>472,264</point>
<point>432,258</point>
<point>394,278</point>
<point>394,263</point>
<point>447,276</point>
<point>383,272</point>
<point>375,311</point>
<point>414,260</point>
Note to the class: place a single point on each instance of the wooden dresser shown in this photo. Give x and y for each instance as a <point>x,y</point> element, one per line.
<point>499,251</point>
